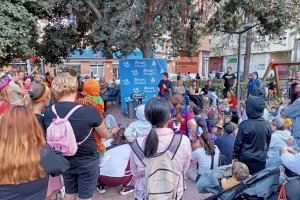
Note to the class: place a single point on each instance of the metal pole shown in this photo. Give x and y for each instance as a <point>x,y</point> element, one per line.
<point>238,71</point>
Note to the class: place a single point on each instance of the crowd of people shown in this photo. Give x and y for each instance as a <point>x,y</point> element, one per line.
<point>54,133</point>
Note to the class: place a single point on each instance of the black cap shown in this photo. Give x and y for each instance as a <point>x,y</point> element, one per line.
<point>166,74</point>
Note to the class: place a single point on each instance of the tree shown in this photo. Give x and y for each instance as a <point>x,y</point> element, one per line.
<point>124,25</point>
<point>18,27</point>
<point>272,17</point>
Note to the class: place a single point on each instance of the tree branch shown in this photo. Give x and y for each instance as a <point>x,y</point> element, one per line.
<point>93,8</point>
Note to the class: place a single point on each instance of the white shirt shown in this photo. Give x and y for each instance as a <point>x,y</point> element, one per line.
<point>292,162</point>
<point>119,159</point>
<point>204,160</point>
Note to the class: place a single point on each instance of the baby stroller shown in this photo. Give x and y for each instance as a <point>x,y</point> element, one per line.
<point>262,185</point>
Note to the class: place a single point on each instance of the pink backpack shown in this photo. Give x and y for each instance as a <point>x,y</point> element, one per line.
<point>60,134</point>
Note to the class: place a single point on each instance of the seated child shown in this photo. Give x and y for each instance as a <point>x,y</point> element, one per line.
<point>139,128</point>
<point>200,120</point>
<point>240,172</point>
<point>91,90</point>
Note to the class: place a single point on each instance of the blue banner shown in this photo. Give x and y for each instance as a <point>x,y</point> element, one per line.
<point>140,76</point>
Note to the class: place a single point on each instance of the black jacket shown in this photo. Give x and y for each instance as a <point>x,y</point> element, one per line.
<point>254,135</point>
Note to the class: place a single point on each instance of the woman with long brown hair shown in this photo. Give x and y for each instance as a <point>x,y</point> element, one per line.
<point>26,160</point>
<point>195,94</point>
<point>4,94</point>
<point>206,154</point>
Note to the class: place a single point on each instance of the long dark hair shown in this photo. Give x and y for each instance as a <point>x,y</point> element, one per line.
<point>197,86</point>
<point>119,137</point>
<point>176,101</point>
<point>208,143</point>
<point>157,112</point>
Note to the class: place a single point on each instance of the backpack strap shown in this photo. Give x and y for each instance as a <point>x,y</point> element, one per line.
<point>212,162</point>
<point>68,115</point>
<point>79,143</point>
<point>138,151</point>
<point>174,145</point>
<point>115,145</point>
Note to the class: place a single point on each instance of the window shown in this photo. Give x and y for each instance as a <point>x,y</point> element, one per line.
<point>97,70</point>
<point>297,51</point>
<point>116,71</point>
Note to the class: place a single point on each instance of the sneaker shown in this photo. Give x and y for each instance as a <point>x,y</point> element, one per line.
<point>104,158</point>
<point>101,189</point>
<point>128,190</point>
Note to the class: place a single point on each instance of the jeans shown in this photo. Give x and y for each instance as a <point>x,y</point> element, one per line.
<point>213,97</point>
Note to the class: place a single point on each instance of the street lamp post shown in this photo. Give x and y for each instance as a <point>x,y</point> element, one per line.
<point>247,27</point>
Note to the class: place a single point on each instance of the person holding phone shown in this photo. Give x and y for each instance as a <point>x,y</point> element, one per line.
<point>164,87</point>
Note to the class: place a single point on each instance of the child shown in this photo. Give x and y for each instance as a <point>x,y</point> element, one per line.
<point>200,120</point>
<point>91,90</point>
<point>240,172</point>
<point>179,89</point>
<point>139,128</point>
<point>272,113</point>
<point>231,99</point>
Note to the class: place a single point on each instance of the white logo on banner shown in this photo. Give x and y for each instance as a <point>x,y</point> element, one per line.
<point>162,70</point>
<point>136,90</point>
<point>140,64</point>
<point>127,99</point>
<point>135,72</point>
<point>139,81</point>
<point>126,81</point>
<point>153,63</point>
<point>149,89</point>
<point>152,80</point>
<point>154,96</point>
<point>126,64</point>
<point>149,72</point>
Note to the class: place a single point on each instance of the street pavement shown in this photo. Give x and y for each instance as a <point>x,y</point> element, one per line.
<point>114,193</point>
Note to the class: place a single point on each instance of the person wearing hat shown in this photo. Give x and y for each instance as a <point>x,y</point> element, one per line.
<point>281,137</point>
<point>225,143</point>
<point>91,90</point>
<point>4,94</point>
<point>164,87</point>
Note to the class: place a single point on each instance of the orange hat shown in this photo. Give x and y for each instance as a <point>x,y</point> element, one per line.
<point>91,87</point>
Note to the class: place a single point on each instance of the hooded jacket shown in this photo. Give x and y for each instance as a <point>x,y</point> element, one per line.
<point>293,112</point>
<point>139,128</point>
<point>254,135</point>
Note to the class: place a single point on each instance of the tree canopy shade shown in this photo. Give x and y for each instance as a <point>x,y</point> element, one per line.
<point>124,25</point>
<point>18,27</point>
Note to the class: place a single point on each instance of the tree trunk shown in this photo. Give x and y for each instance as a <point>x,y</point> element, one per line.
<point>247,54</point>
<point>146,49</point>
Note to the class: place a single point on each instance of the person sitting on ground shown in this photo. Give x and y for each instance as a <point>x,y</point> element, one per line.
<point>206,154</point>
<point>200,120</point>
<point>81,179</point>
<point>157,112</point>
<point>272,113</point>
<point>117,171</point>
<point>232,100</point>
<point>195,94</point>
<point>139,128</point>
<point>179,89</point>
<point>26,159</point>
<point>209,91</point>
<point>5,90</point>
<point>253,137</point>
<point>225,142</point>
<point>280,138</point>
<point>212,119</point>
<point>240,172</point>
<point>91,91</point>
<point>293,112</point>
<point>165,86</point>
<point>183,121</point>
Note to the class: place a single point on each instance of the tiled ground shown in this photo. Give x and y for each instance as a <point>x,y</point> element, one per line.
<point>113,193</point>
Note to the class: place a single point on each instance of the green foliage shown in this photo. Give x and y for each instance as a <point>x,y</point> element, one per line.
<point>18,27</point>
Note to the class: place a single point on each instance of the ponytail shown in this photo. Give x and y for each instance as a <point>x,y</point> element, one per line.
<point>151,145</point>
<point>208,144</point>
